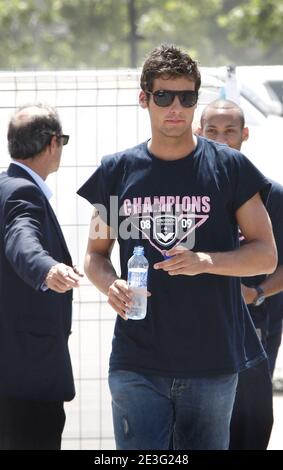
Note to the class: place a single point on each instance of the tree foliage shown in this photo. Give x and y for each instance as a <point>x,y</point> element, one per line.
<point>57,34</point>
<point>261,21</point>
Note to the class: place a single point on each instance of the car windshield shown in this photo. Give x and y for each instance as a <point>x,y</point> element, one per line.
<point>277,88</point>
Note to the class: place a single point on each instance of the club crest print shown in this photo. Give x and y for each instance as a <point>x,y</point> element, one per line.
<point>165,229</point>
<point>164,221</point>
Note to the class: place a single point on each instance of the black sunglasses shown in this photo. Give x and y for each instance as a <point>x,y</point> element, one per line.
<point>64,137</point>
<point>163,98</point>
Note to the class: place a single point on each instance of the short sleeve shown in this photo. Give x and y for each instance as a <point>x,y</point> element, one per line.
<point>247,180</point>
<point>101,188</point>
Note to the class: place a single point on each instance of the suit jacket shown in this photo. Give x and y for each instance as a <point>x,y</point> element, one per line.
<point>34,325</point>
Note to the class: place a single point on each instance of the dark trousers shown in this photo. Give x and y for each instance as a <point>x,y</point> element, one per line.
<point>273,342</point>
<point>252,417</point>
<point>29,424</point>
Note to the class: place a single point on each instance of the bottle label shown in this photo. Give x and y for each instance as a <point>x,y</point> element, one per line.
<point>137,277</point>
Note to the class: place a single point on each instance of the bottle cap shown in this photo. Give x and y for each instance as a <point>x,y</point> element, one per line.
<point>138,250</point>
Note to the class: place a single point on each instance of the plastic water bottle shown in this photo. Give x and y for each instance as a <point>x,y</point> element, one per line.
<point>137,280</point>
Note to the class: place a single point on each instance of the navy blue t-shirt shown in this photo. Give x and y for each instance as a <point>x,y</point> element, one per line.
<point>195,325</point>
<point>269,314</point>
<point>274,207</point>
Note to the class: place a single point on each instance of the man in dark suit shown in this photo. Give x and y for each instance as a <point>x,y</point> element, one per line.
<point>36,281</point>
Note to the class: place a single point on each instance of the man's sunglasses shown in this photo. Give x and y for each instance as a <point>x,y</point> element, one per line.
<point>163,98</point>
<point>63,137</point>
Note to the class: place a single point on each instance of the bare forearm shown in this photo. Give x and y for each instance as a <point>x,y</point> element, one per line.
<point>100,271</point>
<point>273,284</point>
<point>253,258</point>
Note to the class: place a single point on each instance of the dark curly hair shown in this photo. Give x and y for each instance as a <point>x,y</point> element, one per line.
<point>168,61</point>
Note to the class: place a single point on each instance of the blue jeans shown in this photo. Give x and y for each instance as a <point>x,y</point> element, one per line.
<point>159,413</point>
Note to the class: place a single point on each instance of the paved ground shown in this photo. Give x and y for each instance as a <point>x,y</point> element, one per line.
<point>276,440</point>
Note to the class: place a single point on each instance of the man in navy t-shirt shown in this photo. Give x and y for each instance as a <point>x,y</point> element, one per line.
<point>252,418</point>
<point>173,375</point>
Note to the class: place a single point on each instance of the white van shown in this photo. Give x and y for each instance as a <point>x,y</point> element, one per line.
<point>262,85</point>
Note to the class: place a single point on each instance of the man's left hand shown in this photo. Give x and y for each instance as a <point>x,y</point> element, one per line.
<point>248,293</point>
<point>184,262</point>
